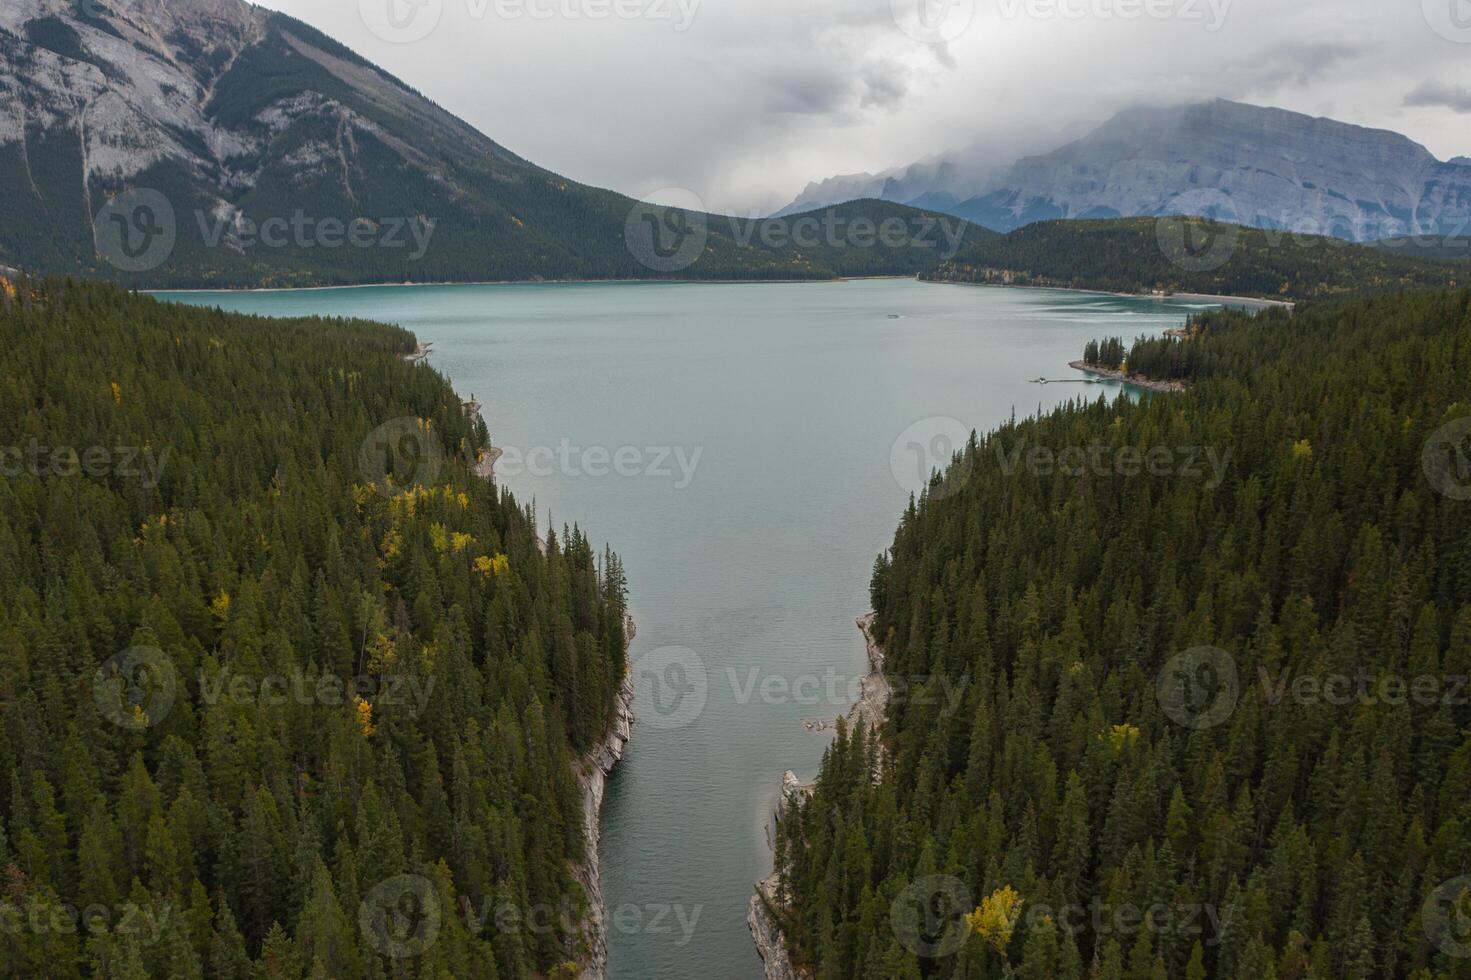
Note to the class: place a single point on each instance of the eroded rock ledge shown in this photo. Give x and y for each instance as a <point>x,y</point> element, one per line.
<point>592,772</point>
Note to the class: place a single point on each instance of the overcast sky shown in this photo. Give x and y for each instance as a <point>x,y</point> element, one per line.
<point>744,101</point>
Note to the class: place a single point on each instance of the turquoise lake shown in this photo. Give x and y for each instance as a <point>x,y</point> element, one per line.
<point>748,450</point>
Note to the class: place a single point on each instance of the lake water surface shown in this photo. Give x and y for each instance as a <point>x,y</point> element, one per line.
<point>748,450</point>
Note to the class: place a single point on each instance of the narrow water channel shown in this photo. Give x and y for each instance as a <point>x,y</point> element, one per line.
<point>748,450</point>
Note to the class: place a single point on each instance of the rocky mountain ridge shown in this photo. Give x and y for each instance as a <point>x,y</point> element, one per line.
<point>1261,167</point>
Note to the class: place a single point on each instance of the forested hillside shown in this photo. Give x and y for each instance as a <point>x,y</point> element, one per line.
<point>285,689</point>
<point>1217,720</point>
<point>240,147</point>
<point>1190,255</point>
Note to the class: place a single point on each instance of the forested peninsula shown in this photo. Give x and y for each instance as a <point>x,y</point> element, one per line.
<point>286,690</point>
<point>1216,721</point>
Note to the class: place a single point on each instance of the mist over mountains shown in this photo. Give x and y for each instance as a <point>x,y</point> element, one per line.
<point>1262,167</point>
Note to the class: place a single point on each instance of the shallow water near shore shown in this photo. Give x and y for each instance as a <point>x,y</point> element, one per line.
<point>748,450</point>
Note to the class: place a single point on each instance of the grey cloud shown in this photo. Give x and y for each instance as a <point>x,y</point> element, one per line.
<point>757,98</point>
<point>884,87</point>
<point>809,93</point>
<point>1300,64</point>
<point>1441,95</point>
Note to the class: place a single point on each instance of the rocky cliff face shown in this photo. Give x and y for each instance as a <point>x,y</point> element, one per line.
<point>776,960</point>
<point>232,116</point>
<point>592,777</point>
<point>1267,168</point>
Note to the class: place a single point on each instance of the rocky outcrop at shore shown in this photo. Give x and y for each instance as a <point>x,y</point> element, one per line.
<point>592,772</point>
<point>765,931</point>
<point>485,465</point>
<point>1137,380</point>
<point>775,958</point>
<point>873,700</point>
<point>874,689</point>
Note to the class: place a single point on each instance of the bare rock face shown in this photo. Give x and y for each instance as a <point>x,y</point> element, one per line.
<point>1267,168</point>
<point>237,115</point>
<point>775,959</point>
<point>593,771</point>
<point>765,932</point>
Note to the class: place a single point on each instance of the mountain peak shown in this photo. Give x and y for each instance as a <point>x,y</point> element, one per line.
<point>1255,165</point>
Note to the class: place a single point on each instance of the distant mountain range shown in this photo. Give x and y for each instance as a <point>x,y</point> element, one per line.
<point>1265,168</point>
<point>1190,255</point>
<point>214,143</point>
